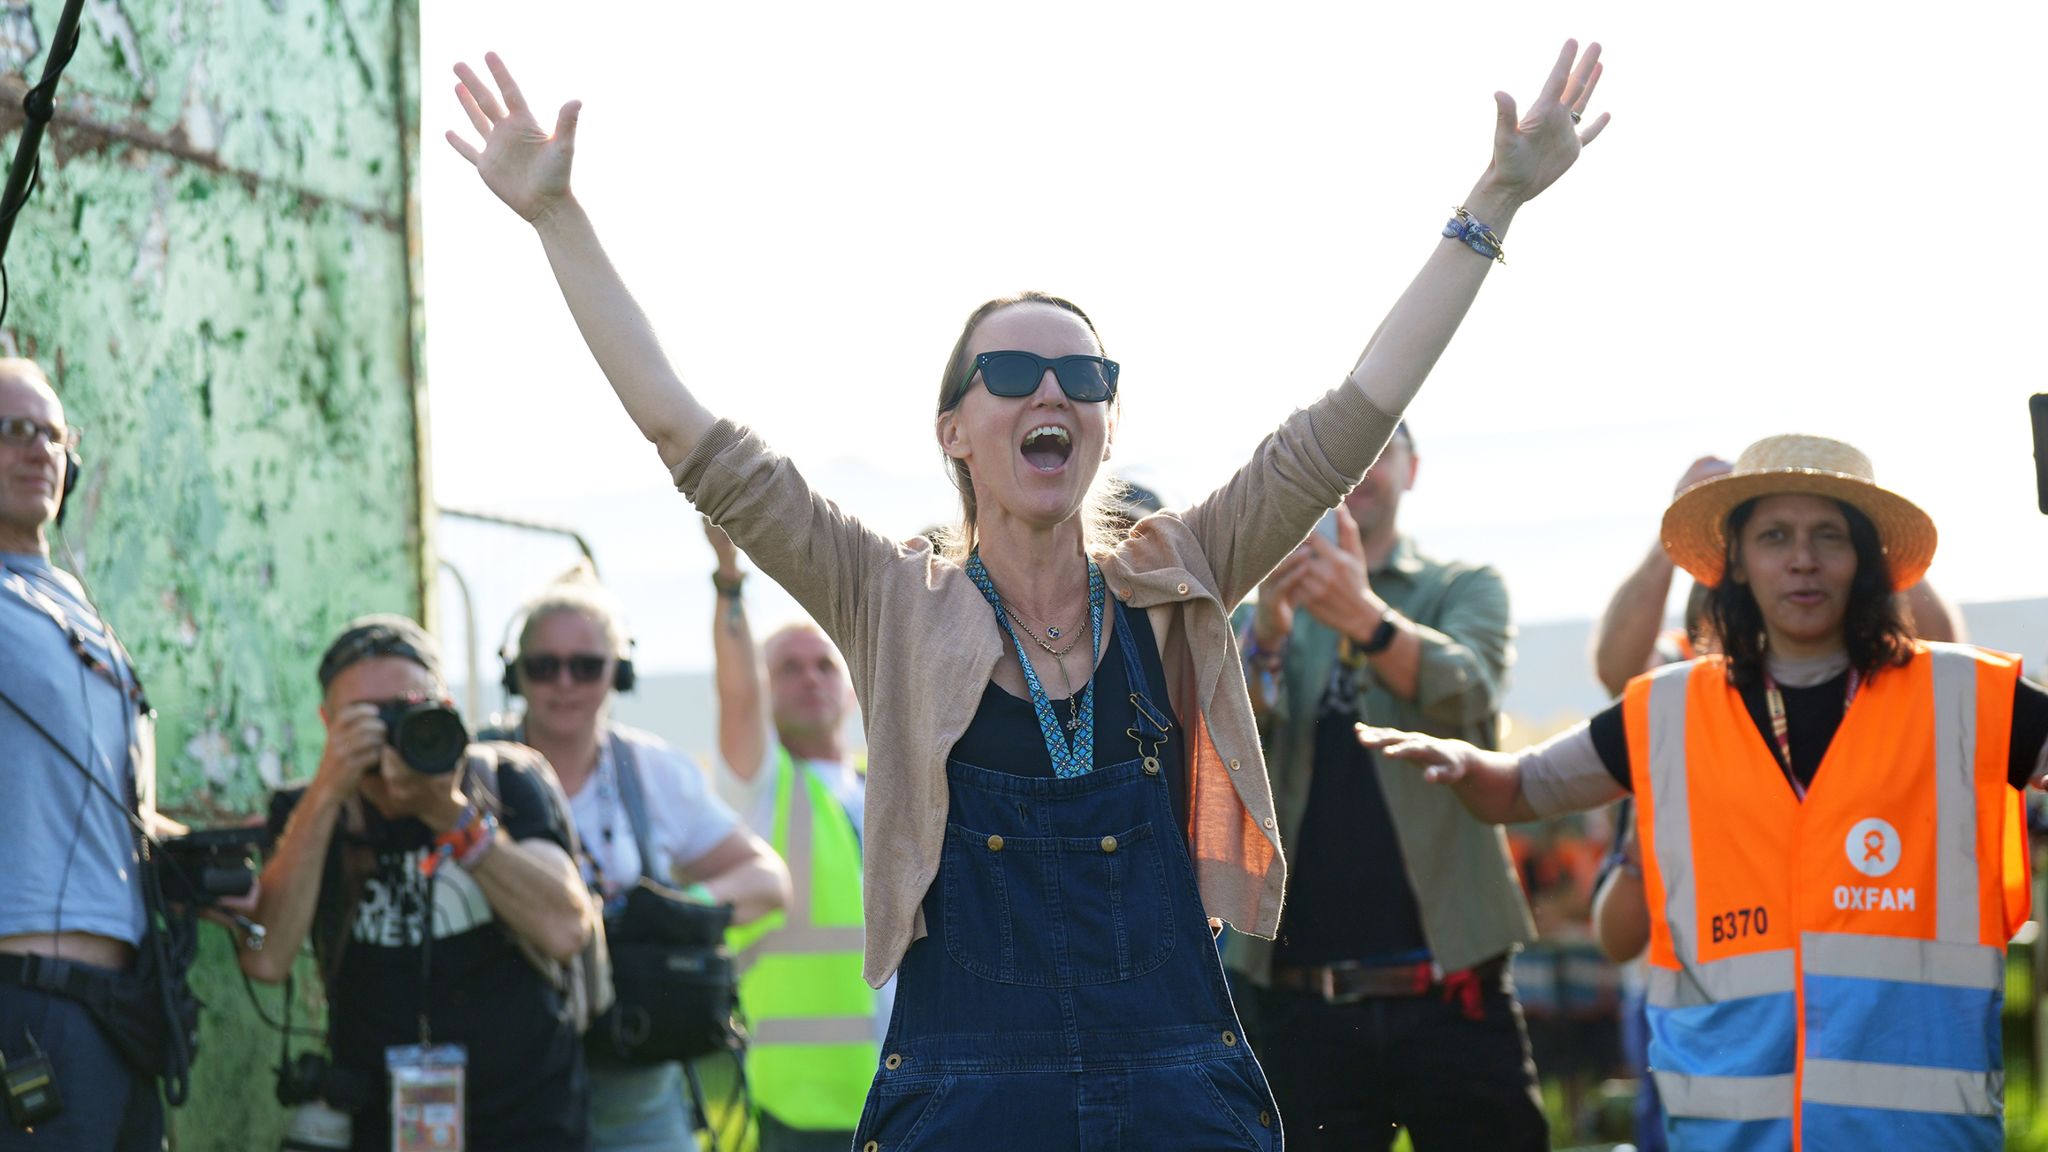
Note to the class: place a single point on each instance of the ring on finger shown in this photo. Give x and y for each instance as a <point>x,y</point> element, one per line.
<point>1576,117</point>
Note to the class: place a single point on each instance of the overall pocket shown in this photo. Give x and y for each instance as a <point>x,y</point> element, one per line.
<point>1056,911</point>
<point>897,1114</point>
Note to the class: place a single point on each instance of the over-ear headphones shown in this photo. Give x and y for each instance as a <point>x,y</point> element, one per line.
<point>68,482</point>
<point>623,676</point>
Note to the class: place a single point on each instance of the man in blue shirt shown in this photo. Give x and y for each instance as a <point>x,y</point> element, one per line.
<point>74,916</point>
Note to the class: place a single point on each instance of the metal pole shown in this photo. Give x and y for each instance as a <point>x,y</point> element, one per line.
<point>471,689</point>
<point>582,545</point>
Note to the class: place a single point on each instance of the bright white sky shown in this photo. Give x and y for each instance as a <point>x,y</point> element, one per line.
<point>1809,218</point>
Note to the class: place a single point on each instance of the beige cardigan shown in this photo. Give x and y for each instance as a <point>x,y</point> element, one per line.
<point>921,646</point>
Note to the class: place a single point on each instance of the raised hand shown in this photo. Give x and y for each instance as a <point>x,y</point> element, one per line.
<point>355,744</point>
<point>526,166</point>
<point>1330,582</point>
<point>1704,468</point>
<point>1531,151</point>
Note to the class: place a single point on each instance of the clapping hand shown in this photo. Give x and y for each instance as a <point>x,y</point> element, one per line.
<point>526,166</point>
<point>1329,580</point>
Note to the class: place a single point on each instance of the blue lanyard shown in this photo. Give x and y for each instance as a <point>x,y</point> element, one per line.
<point>1068,759</point>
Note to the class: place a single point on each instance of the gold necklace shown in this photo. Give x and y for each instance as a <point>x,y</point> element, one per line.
<point>1057,653</point>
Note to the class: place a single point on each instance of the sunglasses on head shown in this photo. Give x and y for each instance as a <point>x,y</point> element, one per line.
<point>583,668</point>
<point>1085,379</point>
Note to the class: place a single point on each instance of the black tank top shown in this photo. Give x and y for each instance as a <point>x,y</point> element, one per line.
<point>1004,736</point>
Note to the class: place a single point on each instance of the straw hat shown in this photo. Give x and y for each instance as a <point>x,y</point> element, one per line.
<point>1695,526</point>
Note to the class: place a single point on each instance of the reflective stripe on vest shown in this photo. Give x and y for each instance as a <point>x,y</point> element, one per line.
<point>813,1048</point>
<point>1852,959</point>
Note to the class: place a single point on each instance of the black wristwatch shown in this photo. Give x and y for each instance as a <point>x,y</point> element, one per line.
<point>1382,637</point>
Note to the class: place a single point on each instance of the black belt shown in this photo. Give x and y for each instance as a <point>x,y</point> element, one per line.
<point>1349,981</point>
<point>95,987</point>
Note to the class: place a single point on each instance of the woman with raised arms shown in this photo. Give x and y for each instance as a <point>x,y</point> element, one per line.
<point>1066,789</point>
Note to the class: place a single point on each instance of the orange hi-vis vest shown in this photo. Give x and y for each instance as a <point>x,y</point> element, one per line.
<point>1828,974</point>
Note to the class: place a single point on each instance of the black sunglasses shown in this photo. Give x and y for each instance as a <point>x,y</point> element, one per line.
<point>1085,379</point>
<point>583,669</point>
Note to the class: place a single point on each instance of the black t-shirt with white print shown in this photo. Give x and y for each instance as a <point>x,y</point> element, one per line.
<point>526,1087</point>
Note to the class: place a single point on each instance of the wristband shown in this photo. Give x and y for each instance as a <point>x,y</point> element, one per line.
<point>729,591</point>
<point>484,837</point>
<point>1475,235</point>
<point>1260,657</point>
<point>466,840</point>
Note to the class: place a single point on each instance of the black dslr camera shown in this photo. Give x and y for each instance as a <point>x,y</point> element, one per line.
<point>429,735</point>
<point>207,865</point>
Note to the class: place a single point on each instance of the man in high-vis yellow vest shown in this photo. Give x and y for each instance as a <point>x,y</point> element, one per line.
<point>815,1025</point>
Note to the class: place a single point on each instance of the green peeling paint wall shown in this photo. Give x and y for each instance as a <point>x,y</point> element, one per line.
<point>219,273</point>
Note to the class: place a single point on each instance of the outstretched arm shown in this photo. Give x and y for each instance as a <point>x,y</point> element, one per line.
<point>1489,784</point>
<point>528,168</point>
<point>1264,511</point>
<point>1529,153</point>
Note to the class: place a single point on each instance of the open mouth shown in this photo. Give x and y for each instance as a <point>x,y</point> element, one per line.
<point>1047,447</point>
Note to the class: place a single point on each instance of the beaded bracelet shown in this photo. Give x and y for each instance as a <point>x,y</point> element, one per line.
<point>1476,235</point>
<point>483,839</point>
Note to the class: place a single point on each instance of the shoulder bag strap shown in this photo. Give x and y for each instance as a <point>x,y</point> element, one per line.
<point>634,797</point>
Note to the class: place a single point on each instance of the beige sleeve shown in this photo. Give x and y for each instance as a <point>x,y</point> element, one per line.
<point>1564,774</point>
<point>1301,471</point>
<point>818,552</point>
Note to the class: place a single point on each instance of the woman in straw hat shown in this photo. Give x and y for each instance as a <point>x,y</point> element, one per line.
<point>1044,870</point>
<point>1828,816</point>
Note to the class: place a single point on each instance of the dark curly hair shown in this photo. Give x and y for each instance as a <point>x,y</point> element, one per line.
<point>1873,629</point>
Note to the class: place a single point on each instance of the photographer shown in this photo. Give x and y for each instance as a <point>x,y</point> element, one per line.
<point>395,824</point>
<point>91,967</point>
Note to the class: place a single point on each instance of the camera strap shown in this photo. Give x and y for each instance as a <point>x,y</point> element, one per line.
<point>130,686</point>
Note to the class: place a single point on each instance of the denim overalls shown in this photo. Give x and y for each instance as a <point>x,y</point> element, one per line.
<point>1069,995</point>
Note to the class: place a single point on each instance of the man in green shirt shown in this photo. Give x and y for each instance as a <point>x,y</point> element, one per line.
<point>1385,1002</point>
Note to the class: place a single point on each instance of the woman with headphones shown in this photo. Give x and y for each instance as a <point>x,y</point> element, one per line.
<point>570,655</point>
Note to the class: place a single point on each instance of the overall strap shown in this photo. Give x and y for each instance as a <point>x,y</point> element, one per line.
<point>1150,722</point>
<point>634,798</point>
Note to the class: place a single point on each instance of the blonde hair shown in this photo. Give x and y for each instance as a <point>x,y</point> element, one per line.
<point>578,591</point>
<point>1101,531</point>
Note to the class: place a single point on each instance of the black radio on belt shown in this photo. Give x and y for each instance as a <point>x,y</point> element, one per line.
<point>32,1095</point>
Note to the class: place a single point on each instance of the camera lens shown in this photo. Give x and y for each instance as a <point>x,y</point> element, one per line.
<point>429,736</point>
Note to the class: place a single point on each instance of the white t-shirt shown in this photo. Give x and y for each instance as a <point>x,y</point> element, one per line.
<point>684,820</point>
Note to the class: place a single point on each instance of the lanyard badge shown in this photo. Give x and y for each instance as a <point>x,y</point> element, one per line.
<point>427,1096</point>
